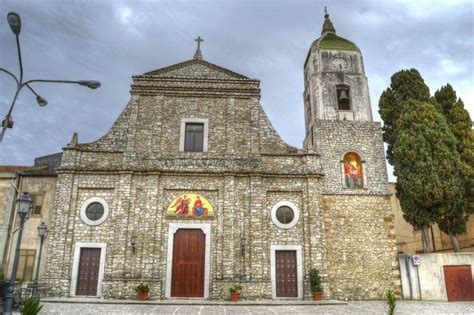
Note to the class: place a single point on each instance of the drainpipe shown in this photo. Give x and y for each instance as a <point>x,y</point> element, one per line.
<point>13,218</point>
<point>433,239</point>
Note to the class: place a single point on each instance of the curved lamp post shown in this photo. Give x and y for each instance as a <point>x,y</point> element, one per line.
<point>24,207</point>
<point>42,230</point>
<point>14,21</point>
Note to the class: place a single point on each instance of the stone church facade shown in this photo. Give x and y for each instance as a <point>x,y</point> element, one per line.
<point>192,190</point>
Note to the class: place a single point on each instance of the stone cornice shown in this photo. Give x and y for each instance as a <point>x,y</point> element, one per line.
<point>195,87</point>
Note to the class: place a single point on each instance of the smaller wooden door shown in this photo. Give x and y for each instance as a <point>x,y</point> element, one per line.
<point>286,273</point>
<point>88,273</point>
<point>459,284</point>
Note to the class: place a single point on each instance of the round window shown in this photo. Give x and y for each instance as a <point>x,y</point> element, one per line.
<point>285,214</point>
<point>94,211</point>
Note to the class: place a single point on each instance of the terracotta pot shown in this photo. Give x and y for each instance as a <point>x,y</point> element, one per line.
<point>317,296</point>
<point>234,296</point>
<point>143,296</point>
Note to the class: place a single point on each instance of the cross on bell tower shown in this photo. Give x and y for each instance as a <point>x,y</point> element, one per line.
<point>198,54</point>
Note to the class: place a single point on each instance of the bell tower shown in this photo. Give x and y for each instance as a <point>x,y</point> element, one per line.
<point>336,87</point>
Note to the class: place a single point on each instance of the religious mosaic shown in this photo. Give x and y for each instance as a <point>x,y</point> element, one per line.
<point>190,206</point>
<point>352,171</point>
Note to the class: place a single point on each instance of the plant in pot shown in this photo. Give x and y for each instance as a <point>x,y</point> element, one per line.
<point>315,282</point>
<point>142,290</point>
<point>235,292</point>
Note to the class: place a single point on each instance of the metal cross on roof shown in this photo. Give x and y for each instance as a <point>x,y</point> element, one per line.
<point>198,54</point>
<point>325,10</point>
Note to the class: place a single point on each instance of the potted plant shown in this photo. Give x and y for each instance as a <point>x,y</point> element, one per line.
<point>315,282</point>
<point>235,292</point>
<point>142,290</point>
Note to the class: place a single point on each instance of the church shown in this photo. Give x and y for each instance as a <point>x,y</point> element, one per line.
<point>193,191</point>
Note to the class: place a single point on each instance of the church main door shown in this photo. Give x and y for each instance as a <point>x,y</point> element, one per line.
<point>187,279</point>
<point>286,273</point>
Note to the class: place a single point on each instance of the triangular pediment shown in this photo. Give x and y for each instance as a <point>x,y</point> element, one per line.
<point>196,68</point>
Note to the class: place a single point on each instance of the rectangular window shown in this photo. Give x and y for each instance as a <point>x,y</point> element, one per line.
<point>194,137</point>
<point>343,98</point>
<point>37,204</point>
<point>26,264</point>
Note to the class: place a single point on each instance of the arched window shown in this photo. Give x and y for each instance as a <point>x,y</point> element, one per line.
<point>353,171</point>
<point>343,97</point>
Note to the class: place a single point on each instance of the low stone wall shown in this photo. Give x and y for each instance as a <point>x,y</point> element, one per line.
<point>426,280</point>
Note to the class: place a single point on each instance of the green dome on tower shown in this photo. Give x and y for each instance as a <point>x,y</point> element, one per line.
<point>330,41</point>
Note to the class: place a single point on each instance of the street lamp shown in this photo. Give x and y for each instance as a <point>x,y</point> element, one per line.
<point>14,21</point>
<point>42,230</point>
<point>25,205</point>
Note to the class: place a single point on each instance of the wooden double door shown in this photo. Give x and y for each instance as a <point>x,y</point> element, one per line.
<point>187,275</point>
<point>88,273</point>
<point>286,274</point>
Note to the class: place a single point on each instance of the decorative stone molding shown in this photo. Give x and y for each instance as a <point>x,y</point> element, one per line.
<point>299,268</point>
<point>290,205</point>
<point>84,206</point>
<point>75,265</point>
<point>172,229</point>
<point>182,132</point>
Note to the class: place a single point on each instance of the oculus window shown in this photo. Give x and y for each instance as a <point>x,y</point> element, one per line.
<point>94,211</point>
<point>285,214</point>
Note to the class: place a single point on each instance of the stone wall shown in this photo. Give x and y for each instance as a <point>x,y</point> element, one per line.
<point>360,247</point>
<point>139,169</point>
<point>137,208</point>
<point>334,138</point>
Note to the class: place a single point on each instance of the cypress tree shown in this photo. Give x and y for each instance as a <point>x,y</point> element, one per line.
<point>427,166</point>
<point>453,222</point>
<point>405,85</point>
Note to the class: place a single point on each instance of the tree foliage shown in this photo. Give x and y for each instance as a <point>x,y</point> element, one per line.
<point>406,85</point>
<point>454,220</point>
<point>431,146</point>
<point>426,164</point>
<point>459,122</point>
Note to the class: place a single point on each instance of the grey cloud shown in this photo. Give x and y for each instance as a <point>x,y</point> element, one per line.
<point>266,40</point>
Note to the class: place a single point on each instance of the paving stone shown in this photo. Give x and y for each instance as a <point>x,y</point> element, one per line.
<point>366,307</point>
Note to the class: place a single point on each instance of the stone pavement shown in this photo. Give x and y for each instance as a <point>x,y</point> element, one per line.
<point>366,307</point>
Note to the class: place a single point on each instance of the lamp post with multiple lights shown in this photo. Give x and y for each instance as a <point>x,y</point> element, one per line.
<point>25,205</point>
<point>42,230</point>
<point>14,21</point>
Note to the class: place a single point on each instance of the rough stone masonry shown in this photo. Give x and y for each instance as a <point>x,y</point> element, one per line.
<point>244,170</point>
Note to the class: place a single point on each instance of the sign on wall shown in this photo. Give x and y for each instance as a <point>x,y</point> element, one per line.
<point>416,260</point>
<point>190,206</point>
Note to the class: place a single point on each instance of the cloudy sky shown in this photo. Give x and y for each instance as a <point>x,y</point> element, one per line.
<point>267,40</point>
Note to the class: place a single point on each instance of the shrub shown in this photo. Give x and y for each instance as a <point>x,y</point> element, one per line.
<point>142,287</point>
<point>235,288</point>
<point>31,307</point>
<point>391,300</point>
<point>315,281</point>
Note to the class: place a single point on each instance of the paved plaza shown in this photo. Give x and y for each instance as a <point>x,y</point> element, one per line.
<point>372,307</point>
